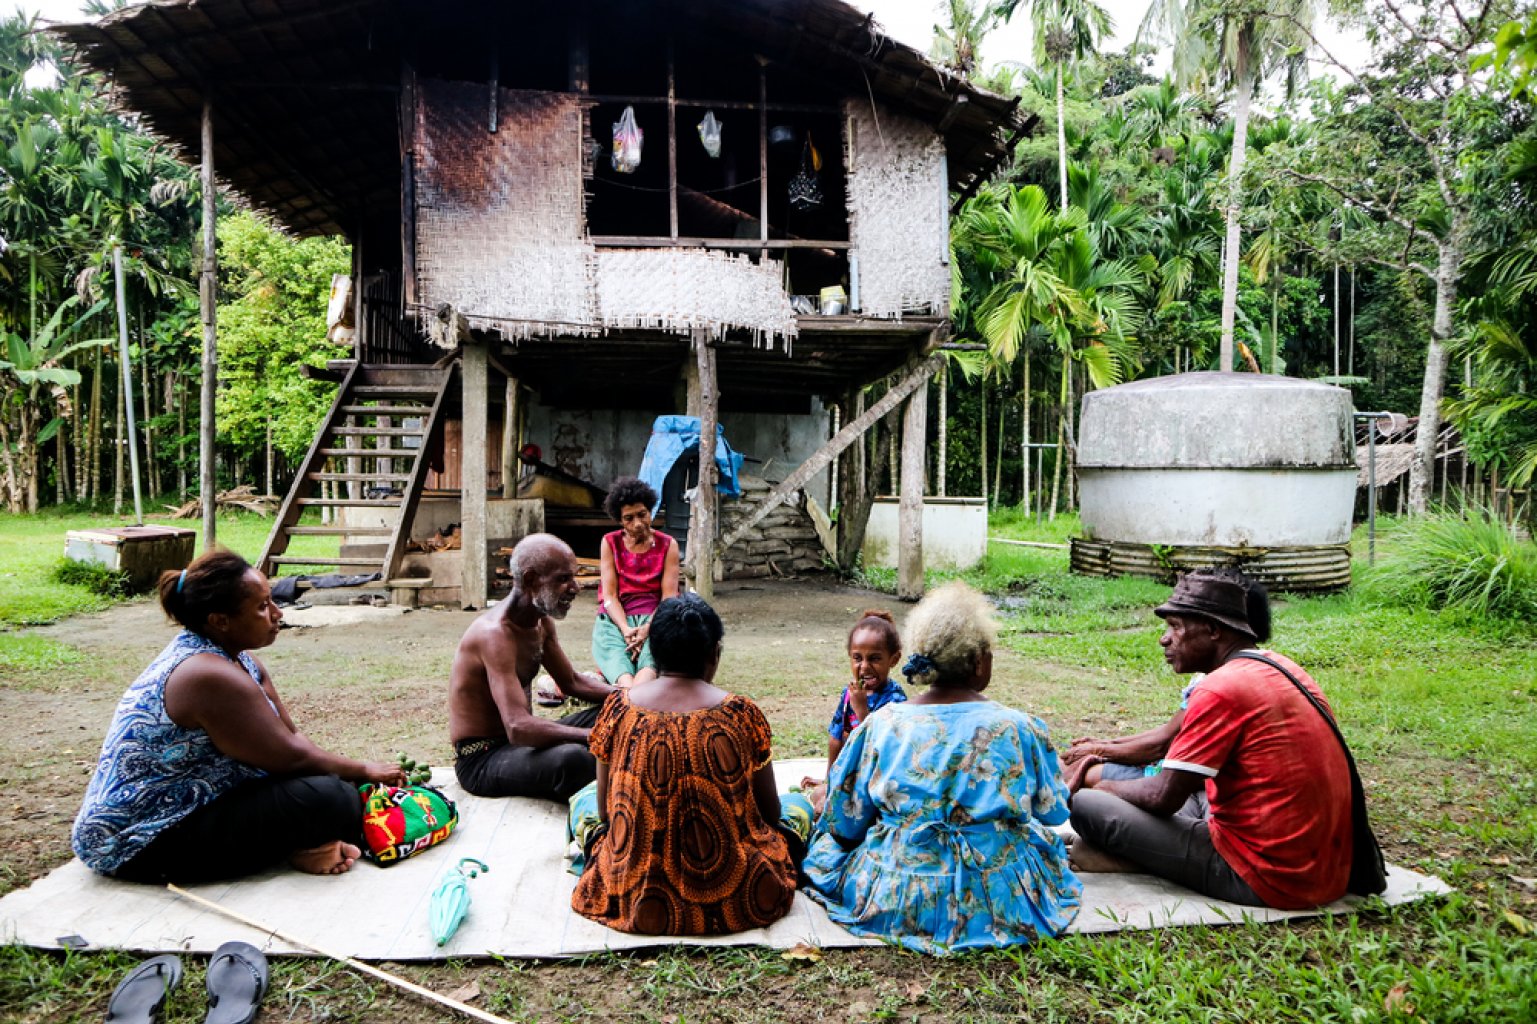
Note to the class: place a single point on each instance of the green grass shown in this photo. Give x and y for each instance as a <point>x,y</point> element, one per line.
<point>1441,708</point>
<point>1476,566</point>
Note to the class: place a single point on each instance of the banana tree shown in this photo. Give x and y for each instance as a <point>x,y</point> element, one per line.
<point>31,380</point>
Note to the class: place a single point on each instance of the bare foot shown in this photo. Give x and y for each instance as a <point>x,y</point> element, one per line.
<point>1085,857</point>
<point>331,858</point>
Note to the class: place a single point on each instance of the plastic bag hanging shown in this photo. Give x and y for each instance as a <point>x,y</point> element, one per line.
<point>451,900</point>
<point>709,134</point>
<point>805,190</point>
<point>628,139</point>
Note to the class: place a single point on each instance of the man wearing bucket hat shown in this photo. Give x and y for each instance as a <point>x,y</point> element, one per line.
<point>1253,804</point>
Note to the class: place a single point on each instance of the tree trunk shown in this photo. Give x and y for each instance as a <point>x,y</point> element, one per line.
<point>1061,138</point>
<point>181,438</point>
<point>119,447</point>
<point>1056,472</point>
<point>1024,434</point>
<point>1232,249</point>
<point>11,489</point>
<point>1275,314</point>
<point>1003,407</point>
<point>94,480</point>
<point>27,442</point>
<point>944,432</point>
<point>1422,469</point>
<point>856,497</point>
<point>985,502</point>
<point>151,474</point>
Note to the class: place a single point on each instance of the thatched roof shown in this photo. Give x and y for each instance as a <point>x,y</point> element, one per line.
<point>305,91</point>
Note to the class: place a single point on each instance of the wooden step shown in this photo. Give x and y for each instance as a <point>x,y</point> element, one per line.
<point>347,503</point>
<point>377,431</point>
<point>426,392</point>
<point>338,531</point>
<point>385,410</point>
<point>371,453</point>
<point>357,476</point>
<point>292,560</point>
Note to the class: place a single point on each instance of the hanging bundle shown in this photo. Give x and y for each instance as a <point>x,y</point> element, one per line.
<point>805,189</point>
<point>451,899</point>
<point>709,135</point>
<point>627,142</point>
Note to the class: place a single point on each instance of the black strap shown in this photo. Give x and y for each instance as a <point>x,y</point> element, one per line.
<point>1257,656</point>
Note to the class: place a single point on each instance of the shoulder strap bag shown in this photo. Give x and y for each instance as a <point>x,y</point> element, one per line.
<point>1368,871</point>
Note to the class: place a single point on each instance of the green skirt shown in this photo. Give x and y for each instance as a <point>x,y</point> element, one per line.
<point>609,652</point>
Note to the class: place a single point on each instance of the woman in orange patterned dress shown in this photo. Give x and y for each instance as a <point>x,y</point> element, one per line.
<point>690,839</point>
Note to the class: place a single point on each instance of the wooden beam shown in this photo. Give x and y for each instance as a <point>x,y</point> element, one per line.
<point>915,429</point>
<point>701,529</point>
<point>763,188</point>
<point>512,440</point>
<point>208,284</point>
<point>672,141</point>
<point>472,479</point>
<point>913,377</point>
<point>665,242</point>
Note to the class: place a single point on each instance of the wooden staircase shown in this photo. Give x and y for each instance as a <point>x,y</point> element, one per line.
<point>367,454</point>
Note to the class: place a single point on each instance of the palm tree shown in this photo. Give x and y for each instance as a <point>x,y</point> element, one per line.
<point>1238,45</point>
<point>1063,30</point>
<point>959,47</point>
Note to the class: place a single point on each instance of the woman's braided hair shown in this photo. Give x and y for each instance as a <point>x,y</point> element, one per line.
<point>946,633</point>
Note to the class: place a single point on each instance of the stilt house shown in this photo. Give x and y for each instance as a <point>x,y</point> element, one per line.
<point>776,241</point>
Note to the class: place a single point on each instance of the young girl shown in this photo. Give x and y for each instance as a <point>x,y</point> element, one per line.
<point>875,649</point>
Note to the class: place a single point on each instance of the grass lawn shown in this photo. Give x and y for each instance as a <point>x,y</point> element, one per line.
<point>1441,711</point>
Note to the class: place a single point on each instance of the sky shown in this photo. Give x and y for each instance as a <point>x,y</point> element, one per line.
<point>908,21</point>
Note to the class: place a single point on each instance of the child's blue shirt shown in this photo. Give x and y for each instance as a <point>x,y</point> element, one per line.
<point>844,721</point>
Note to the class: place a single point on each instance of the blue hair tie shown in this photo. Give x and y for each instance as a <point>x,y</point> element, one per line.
<point>918,664</point>
<point>180,580</point>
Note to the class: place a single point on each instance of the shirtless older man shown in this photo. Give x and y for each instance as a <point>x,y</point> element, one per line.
<point>501,747</point>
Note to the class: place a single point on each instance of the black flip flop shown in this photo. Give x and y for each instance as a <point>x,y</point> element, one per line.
<point>237,980</point>
<point>139,998</point>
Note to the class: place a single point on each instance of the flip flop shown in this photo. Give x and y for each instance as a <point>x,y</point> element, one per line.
<point>139,998</point>
<point>237,980</point>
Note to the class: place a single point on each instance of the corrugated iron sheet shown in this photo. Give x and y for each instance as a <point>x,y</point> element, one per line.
<point>1299,570</point>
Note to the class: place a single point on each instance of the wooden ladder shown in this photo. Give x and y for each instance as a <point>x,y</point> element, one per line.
<point>370,448</point>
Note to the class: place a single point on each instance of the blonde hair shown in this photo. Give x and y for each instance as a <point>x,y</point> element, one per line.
<point>946,633</point>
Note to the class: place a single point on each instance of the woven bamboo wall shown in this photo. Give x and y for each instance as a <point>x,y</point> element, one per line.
<point>499,222</point>
<point>898,222</point>
<point>687,289</point>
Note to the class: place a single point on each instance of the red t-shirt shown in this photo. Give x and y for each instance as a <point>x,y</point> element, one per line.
<point>1276,781</point>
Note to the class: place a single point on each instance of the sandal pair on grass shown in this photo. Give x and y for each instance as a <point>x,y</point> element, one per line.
<point>237,980</point>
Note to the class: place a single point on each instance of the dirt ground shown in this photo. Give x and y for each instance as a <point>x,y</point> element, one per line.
<point>373,683</point>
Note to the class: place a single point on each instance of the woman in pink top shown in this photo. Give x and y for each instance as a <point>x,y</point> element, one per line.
<point>640,571</point>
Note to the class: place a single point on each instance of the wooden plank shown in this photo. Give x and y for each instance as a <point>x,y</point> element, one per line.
<point>384,410</point>
<point>690,101</point>
<point>318,477</point>
<point>472,477</point>
<point>763,213</point>
<point>375,432</point>
<point>346,531</point>
<point>916,374</point>
<point>672,140</point>
<point>698,242</point>
<point>380,453</point>
<point>512,439</point>
<point>294,560</point>
<point>910,505</point>
<point>347,503</point>
<point>702,527</point>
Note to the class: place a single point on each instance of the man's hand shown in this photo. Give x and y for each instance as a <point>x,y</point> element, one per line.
<point>1083,747</point>
<point>1078,769</point>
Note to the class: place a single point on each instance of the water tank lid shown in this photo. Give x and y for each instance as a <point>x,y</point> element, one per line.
<point>1212,420</point>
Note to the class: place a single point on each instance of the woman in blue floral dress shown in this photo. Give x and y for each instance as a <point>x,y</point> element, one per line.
<point>935,835</point>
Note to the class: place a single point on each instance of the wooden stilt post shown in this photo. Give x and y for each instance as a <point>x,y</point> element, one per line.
<point>208,296</point>
<point>511,439</point>
<point>701,531</point>
<point>915,429</point>
<point>472,478</point>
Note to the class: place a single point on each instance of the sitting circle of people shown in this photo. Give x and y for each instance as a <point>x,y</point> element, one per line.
<point>941,826</point>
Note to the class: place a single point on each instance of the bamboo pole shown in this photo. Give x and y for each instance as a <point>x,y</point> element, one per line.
<point>208,294</point>
<point>702,529</point>
<point>128,435</point>
<point>357,965</point>
<point>910,507</point>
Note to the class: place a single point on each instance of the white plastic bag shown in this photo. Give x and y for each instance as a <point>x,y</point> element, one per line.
<point>709,134</point>
<point>627,142</point>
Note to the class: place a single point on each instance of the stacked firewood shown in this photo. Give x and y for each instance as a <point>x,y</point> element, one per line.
<point>244,496</point>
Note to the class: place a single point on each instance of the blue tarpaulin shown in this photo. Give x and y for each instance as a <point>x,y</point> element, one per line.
<point>673,437</point>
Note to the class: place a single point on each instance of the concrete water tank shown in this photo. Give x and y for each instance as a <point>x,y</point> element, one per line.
<point>1218,468</point>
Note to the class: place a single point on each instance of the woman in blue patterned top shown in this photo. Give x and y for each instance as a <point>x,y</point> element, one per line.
<point>936,831</point>
<point>203,774</point>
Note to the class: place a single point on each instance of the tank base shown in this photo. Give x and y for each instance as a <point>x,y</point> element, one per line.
<point>1317,569</point>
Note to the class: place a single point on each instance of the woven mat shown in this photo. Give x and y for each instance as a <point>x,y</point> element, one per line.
<point>520,908</point>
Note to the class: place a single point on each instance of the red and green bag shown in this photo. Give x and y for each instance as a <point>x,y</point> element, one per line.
<point>402,821</point>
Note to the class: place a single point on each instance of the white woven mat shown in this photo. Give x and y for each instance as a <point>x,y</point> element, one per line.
<point>520,908</point>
